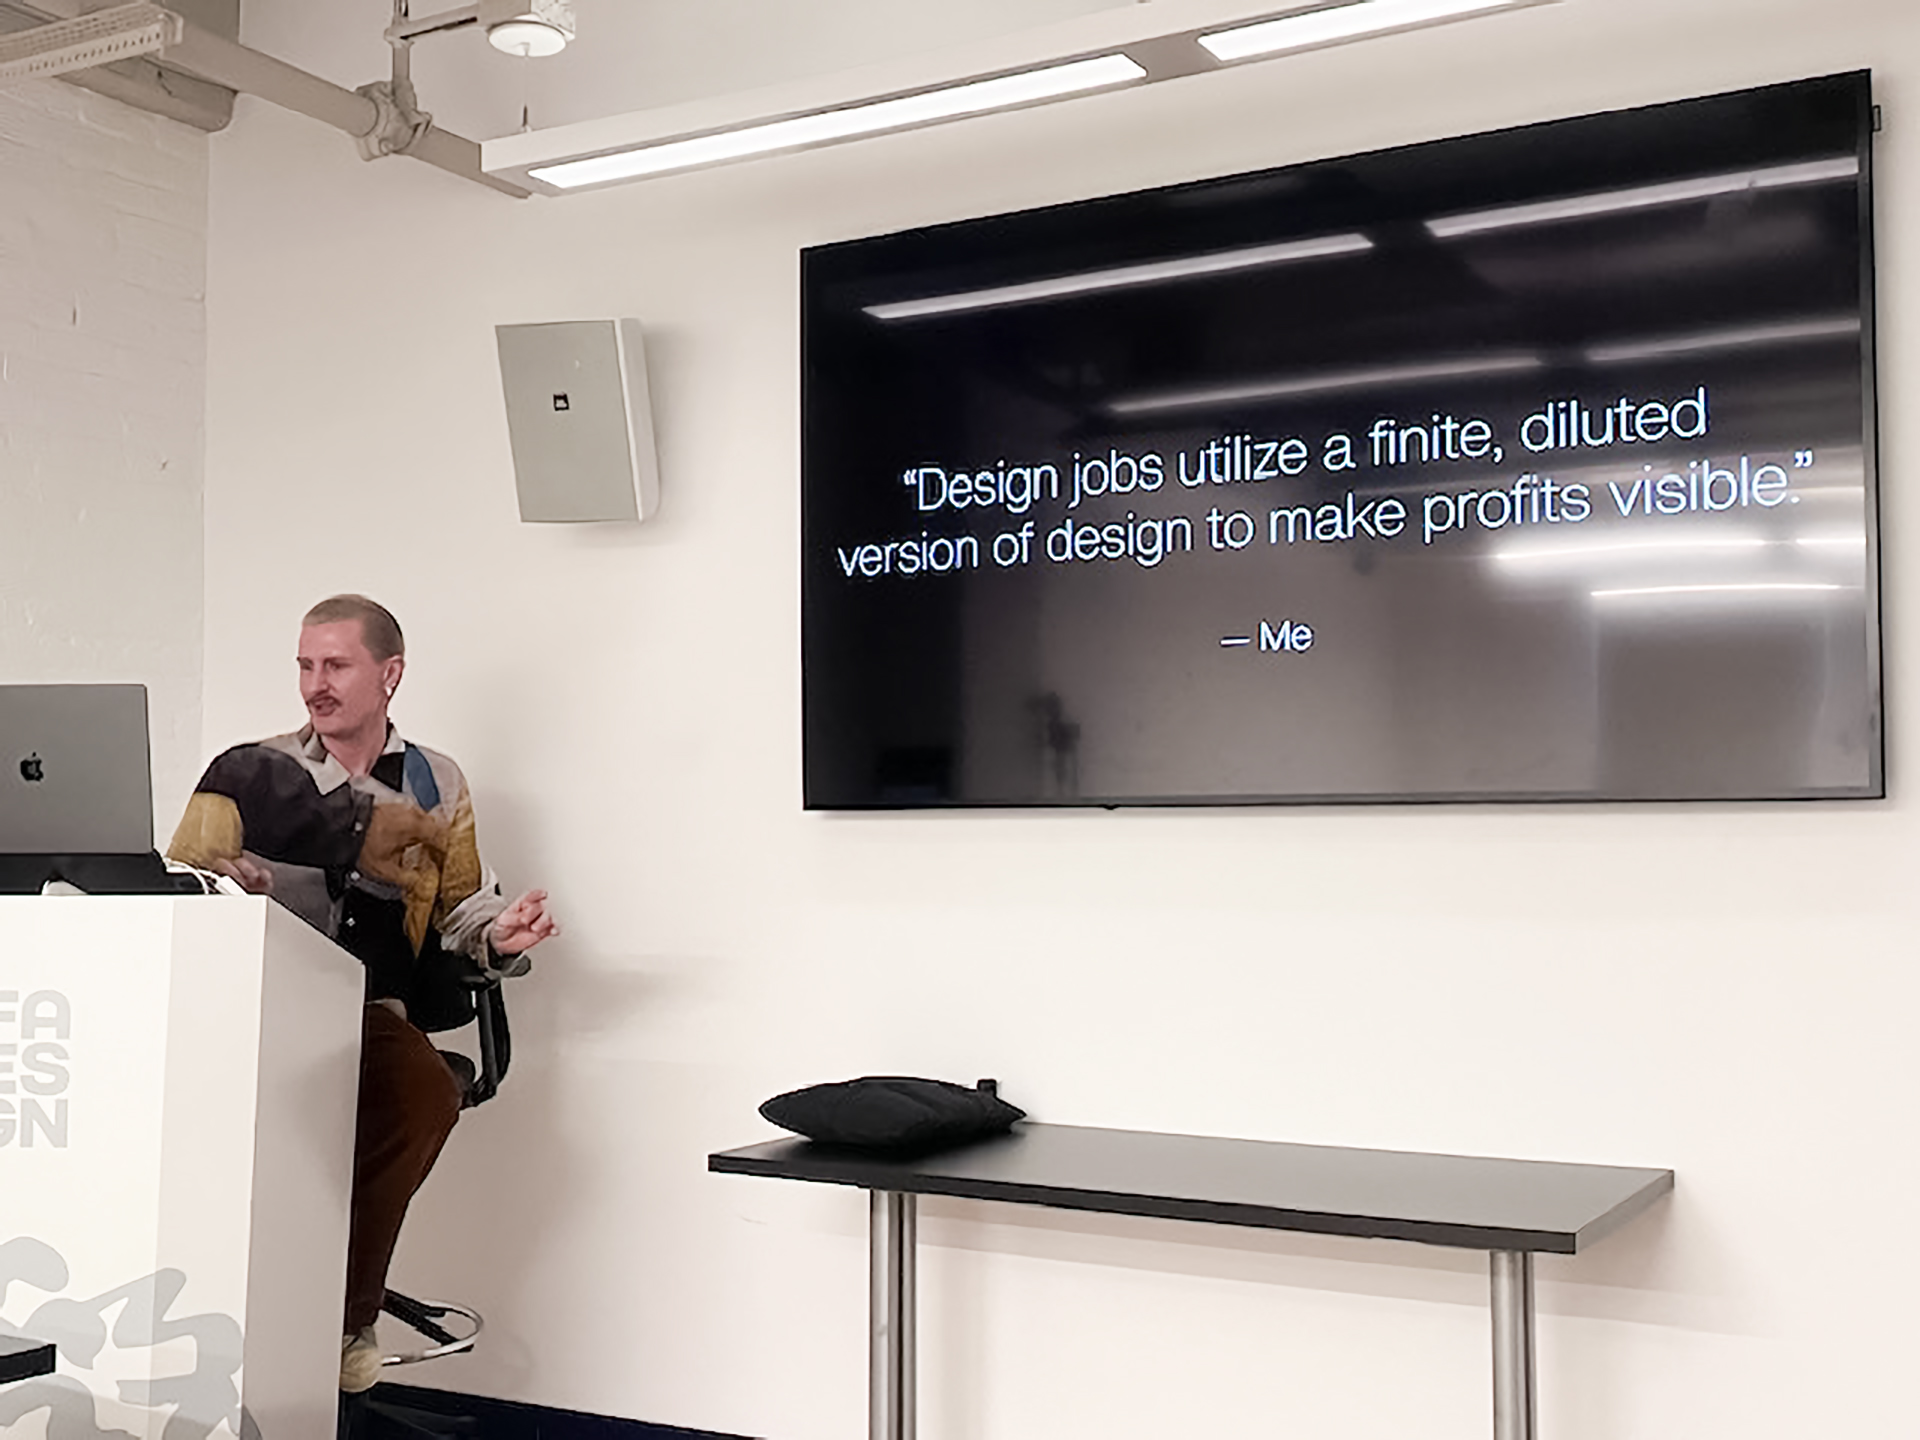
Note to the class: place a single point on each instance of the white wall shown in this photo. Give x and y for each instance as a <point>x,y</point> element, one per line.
<point>103,216</point>
<point>1724,990</point>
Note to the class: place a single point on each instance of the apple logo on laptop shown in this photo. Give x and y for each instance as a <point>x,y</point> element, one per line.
<point>31,768</point>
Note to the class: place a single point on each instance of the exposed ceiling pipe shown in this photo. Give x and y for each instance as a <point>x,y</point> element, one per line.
<point>226,62</point>
<point>202,68</point>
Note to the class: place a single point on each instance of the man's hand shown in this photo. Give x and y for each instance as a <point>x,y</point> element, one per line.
<point>523,925</point>
<point>252,878</point>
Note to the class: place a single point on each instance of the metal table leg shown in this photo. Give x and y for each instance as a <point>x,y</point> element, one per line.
<point>1513,1405</point>
<point>890,1341</point>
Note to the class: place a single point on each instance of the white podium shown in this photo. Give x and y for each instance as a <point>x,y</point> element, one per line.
<point>177,1082</point>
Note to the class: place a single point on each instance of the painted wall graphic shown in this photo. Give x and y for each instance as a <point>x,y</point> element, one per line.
<point>94,1334</point>
<point>181,1075</point>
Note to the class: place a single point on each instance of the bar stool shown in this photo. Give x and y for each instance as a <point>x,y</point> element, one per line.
<point>365,1416</point>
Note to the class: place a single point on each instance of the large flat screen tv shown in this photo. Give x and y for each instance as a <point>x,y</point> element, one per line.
<point>1534,465</point>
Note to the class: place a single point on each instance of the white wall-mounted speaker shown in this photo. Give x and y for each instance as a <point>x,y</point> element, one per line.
<point>578,417</point>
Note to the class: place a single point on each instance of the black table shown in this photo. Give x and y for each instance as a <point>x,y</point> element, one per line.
<point>1510,1208</point>
<point>22,1359</point>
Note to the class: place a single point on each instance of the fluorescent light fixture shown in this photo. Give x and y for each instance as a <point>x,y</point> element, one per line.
<point>924,108</point>
<point>1340,22</point>
<point>1378,378</point>
<point>1118,45</point>
<point>1747,337</point>
<point>1646,197</point>
<point>1768,587</point>
<point>1153,272</point>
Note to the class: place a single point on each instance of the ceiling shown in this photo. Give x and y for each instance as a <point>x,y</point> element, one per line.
<point>631,54</point>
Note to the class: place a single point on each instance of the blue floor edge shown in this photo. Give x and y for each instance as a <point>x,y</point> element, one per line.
<point>413,1412</point>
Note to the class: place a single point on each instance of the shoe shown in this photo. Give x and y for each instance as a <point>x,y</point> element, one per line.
<point>359,1361</point>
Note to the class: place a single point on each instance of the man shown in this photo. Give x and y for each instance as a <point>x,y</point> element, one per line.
<point>370,839</point>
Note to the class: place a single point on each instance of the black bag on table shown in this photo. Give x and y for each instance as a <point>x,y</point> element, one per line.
<point>893,1113</point>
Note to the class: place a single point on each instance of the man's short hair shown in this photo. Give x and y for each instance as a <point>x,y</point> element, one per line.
<point>378,629</point>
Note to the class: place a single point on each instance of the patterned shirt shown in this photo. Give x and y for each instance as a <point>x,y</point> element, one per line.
<point>385,864</point>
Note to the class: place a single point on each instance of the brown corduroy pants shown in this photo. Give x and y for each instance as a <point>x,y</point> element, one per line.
<point>409,1101</point>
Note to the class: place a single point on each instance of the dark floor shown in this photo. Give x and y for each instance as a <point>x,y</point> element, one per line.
<point>408,1412</point>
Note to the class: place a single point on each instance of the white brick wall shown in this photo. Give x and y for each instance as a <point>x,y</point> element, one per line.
<point>103,227</point>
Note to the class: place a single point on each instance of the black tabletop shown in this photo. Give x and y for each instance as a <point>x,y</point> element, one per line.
<point>21,1359</point>
<point>1474,1203</point>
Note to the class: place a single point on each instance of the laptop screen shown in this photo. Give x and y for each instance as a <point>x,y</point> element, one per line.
<point>74,770</point>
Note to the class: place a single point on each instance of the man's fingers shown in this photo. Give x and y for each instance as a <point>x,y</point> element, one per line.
<point>255,879</point>
<point>524,923</point>
<point>529,909</point>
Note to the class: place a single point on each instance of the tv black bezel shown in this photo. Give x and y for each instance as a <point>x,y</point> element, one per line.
<point>1867,126</point>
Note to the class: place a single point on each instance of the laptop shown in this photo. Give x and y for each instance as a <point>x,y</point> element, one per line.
<point>75,774</point>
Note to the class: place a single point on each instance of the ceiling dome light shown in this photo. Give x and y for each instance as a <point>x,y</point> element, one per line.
<point>528,27</point>
<point>527,37</point>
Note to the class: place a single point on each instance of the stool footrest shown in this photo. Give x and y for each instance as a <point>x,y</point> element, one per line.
<point>424,1316</point>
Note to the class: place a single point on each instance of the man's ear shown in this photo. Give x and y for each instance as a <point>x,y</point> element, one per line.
<point>395,667</point>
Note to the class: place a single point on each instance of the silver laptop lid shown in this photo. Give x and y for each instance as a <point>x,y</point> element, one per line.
<point>74,770</point>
